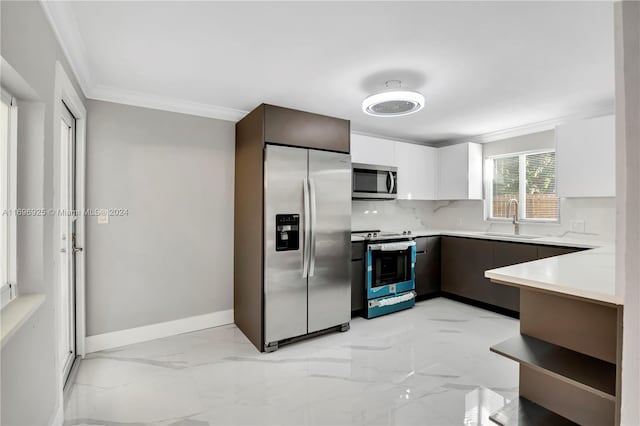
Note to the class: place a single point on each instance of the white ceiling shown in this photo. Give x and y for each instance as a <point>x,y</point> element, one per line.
<point>482,66</point>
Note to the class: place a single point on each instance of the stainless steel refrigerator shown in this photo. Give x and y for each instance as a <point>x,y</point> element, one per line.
<point>307,242</point>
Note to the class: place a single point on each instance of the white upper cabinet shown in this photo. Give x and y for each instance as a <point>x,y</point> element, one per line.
<point>372,150</point>
<point>425,173</point>
<point>585,158</point>
<point>417,171</point>
<point>460,172</point>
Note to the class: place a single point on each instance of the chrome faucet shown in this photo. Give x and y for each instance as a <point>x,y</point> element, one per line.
<point>516,224</point>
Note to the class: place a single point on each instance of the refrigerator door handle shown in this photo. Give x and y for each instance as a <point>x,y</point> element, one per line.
<point>307,229</point>
<point>312,254</point>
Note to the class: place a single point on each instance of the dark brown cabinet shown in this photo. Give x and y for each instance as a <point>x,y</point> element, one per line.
<point>550,251</point>
<point>428,265</point>
<point>299,128</point>
<point>505,254</point>
<point>357,276</point>
<point>464,261</point>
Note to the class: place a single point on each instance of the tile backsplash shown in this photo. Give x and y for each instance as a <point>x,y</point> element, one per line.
<point>598,215</point>
<point>389,215</point>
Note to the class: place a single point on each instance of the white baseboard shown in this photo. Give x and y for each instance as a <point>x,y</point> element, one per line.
<point>58,416</point>
<point>145,333</point>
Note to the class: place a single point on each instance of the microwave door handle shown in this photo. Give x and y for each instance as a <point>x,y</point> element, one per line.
<point>307,228</point>
<point>392,181</point>
<point>313,210</point>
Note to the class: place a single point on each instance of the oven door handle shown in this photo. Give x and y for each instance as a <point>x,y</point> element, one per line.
<point>403,245</point>
<point>394,300</point>
<point>307,229</point>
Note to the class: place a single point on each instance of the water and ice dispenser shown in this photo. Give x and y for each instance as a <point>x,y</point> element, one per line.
<point>287,232</point>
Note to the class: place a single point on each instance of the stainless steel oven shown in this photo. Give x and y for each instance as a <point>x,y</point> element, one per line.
<point>390,276</point>
<point>374,182</point>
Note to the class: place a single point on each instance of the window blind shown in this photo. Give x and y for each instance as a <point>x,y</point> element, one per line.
<point>541,201</point>
<point>506,184</point>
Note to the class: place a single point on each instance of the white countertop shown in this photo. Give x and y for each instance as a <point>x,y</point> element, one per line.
<point>589,273</point>
<point>542,240</point>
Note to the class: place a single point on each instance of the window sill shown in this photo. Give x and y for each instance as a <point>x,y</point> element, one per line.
<point>16,313</point>
<point>524,221</point>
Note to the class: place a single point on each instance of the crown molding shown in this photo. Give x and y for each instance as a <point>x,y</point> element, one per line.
<point>146,100</point>
<point>393,138</point>
<point>65,27</point>
<point>537,127</point>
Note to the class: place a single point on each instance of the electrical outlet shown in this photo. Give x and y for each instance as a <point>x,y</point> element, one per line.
<point>103,217</point>
<point>576,226</point>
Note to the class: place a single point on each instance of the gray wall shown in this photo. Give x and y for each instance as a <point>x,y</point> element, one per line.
<point>172,256</point>
<point>30,389</point>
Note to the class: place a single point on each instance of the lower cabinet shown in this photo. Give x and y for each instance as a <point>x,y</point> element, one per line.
<point>456,265</point>
<point>550,251</point>
<point>505,254</point>
<point>464,261</point>
<point>357,276</point>
<point>428,264</point>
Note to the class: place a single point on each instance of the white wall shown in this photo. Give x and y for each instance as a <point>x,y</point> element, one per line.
<point>31,390</point>
<point>172,256</point>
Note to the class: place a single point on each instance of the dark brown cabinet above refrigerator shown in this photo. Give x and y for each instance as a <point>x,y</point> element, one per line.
<point>284,126</point>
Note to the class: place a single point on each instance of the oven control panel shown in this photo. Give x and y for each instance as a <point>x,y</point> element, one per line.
<point>287,232</point>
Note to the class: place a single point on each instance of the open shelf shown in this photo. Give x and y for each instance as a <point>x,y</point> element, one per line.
<point>583,371</point>
<point>522,412</point>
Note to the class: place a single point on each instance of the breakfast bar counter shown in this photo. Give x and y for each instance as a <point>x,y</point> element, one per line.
<point>570,342</point>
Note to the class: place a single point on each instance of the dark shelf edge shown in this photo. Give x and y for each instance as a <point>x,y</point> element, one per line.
<point>572,356</point>
<point>523,412</point>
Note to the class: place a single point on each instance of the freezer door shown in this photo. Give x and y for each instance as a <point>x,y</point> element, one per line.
<point>330,259</point>
<point>285,282</point>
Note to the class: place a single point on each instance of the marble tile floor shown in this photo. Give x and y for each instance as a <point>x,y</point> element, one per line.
<point>429,365</point>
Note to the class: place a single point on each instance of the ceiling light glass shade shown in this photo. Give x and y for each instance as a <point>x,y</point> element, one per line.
<point>393,104</point>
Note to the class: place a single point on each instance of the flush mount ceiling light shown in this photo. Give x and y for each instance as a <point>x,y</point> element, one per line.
<point>393,103</point>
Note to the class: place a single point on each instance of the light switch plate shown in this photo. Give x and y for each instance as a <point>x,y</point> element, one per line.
<point>576,226</point>
<point>103,217</point>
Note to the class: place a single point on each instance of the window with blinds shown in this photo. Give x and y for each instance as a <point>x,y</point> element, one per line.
<point>529,178</point>
<point>541,200</point>
<point>506,184</point>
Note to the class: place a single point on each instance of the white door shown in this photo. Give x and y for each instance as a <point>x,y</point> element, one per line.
<point>68,218</point>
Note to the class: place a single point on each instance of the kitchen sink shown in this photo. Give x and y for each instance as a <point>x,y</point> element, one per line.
<point>505,235</point>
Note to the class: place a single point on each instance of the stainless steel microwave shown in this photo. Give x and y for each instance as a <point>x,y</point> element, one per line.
<point>374,182</point>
